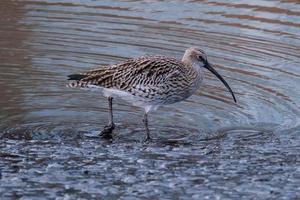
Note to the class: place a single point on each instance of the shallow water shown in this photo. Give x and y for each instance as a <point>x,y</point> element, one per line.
<point>206,147</point>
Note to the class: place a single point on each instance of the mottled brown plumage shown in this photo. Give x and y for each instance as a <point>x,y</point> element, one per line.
<point>148,81</point>
<point>154,78</point>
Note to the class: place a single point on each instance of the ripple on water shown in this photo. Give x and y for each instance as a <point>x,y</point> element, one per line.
<point>205,147</point>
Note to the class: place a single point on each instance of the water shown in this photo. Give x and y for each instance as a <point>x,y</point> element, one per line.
<point>206,147</point>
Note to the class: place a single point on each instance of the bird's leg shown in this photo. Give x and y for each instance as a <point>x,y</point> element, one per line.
<point>107,131</point>
<point>111,118</point>
<point>145,120</point>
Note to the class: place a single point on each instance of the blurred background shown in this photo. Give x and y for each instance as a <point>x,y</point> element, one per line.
<point>206,146</point>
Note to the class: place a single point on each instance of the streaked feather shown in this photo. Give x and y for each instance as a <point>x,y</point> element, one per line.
<point>145,76</point>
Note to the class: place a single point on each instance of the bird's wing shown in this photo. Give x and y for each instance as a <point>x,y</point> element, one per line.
<point>140,72</point>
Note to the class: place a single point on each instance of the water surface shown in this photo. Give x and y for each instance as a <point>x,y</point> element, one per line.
<point>205,147</point>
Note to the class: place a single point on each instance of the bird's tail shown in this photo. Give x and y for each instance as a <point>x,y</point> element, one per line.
<point>76,77</point>
<point>76,81</point>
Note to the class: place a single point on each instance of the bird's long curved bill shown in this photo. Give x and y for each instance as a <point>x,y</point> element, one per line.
<point>212,70</point>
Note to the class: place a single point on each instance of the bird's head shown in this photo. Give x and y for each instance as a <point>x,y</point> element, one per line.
<point>194,55</point>
<point>197,57</point>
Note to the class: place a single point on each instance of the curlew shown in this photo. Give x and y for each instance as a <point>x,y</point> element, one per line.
<point>148,82</point>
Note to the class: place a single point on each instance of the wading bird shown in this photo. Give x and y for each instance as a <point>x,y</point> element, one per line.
<point>148,82</point>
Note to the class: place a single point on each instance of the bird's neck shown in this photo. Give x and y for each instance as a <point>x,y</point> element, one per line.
<point>194,71</point>
<point>198,72</point>
<point>186,60</point>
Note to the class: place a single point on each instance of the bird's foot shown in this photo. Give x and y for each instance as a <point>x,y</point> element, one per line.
<point>106,133</point>
<point>147,139</point>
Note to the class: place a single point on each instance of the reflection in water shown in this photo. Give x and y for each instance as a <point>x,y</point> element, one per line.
<point>14,63</point>
<point>204,147</point>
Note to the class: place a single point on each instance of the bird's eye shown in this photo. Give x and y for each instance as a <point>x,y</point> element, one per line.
<point>201,58</point>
